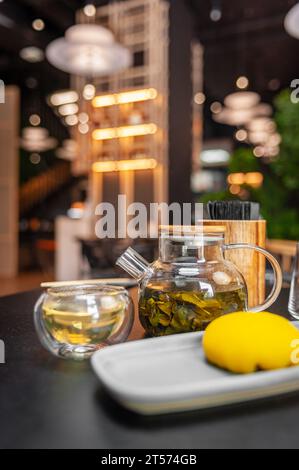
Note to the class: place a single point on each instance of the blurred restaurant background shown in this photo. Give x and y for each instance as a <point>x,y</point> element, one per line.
<point>171,101</point>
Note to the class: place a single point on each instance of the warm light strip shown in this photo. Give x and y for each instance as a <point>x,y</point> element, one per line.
<point>124,131</point>
<point>125,165</point>
<point>125,97</point>
<point>251,178</point>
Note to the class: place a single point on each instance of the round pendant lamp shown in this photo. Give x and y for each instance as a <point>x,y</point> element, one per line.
<point>61,97</point>
<point>68,151</point>
<point>239,117</point>
<point>291,21</point>
<point>233,117</point>
<point>242,100</point>
<point>37,139</point>
<point>261,124</point>
<point>88,50</point>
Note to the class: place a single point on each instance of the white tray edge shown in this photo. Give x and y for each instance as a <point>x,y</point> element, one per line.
<point>246,387</point>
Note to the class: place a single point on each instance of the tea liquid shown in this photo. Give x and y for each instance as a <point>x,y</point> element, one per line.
<point>81,327</point>
<point>164,312</point>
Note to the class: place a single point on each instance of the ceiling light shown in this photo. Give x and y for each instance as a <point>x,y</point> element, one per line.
<point>259,124</point>
<point>254,178</point>
<point>242,100</point>
<point>199,98</point>
<point>241,135</point>
<point>262,130</point>
<point>38,24</point>
<point>242,82</point>
<point>124,131</point>
<point>32,54</point>
<point>34,120</point>
<point>233,117</point>
<point>88,50</point>
<point>68,151</point>
<point>71,120</point>
<point>214,156</point>
<point>239,117</point>
<point>89,10</point>
<point>36,139</point>
<point>274,140</point>
<point>262,109</point>
<point>236,178</point>
<point>76,210</point>
<point>139,129</point>
<point>137,95</point>
<point>83,128</point>
<point>35,133</point>
<point>124,165</point>
<point>63,97</point>
<point>104,101</point>
<point>83,118</point>
<point>258,151</point>
<point>215,14</point>
<point>89,91</point>
<point>258,137</point>
<point>104,134</point>
<point>125,97</point>
<point>67,109</point>
<point>291,21</point>
<point>234,189</point>
<point>35,158</point>
<point>265,151</point>
<point>273,151</point>
<point>216,107</point>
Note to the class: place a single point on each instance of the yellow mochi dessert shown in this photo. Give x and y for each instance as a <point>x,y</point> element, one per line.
<point>244,342</point>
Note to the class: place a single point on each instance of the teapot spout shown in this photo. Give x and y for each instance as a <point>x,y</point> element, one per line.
<point>133,263</point>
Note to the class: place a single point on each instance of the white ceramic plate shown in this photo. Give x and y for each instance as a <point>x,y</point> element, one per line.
<point>163,375</point>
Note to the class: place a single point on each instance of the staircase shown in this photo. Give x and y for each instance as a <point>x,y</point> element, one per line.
<point>40,187</point>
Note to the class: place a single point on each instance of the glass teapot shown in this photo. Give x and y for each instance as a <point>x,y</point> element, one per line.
<point>191,283</point>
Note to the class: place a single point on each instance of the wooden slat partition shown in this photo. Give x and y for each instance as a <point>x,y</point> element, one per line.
<point>9,153</point>
<point>41,186</point>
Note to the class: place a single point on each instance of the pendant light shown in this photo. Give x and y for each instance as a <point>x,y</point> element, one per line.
<point>291,21</point>
<point>88,50</point>
<point>242,100</point>
<point>37,139</point>
<point>68,151</point>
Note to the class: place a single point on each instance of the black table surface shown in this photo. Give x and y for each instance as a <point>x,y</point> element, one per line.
<point>47,402</point>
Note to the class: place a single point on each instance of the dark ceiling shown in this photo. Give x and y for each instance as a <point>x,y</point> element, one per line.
<point>16,32</point>
<point>249,39</point>
<point>34,80</point>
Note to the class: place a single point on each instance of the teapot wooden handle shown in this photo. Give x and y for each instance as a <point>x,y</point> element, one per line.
<point>275,291</point>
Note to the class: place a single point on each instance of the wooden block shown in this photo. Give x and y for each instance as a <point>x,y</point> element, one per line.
<point>249,263</point>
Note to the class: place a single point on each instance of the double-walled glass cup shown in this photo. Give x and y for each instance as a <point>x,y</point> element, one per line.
<point>191,283</point>
<point>73,321</point>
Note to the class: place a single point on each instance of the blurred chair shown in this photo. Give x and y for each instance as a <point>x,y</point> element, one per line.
<point>284,251</point>
<point>99,256</point>
<point>45,253</point>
